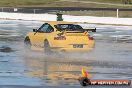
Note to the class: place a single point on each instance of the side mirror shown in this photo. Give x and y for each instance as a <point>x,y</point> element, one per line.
<point>34,30</point>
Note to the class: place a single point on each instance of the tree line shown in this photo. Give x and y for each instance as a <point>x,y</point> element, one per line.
<point>126,1</point>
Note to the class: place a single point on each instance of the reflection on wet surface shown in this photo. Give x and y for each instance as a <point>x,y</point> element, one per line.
<point>55,71</point>
<point>110,59</point>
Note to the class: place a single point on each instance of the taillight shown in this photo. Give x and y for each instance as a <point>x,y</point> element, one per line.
<point>90,37</point>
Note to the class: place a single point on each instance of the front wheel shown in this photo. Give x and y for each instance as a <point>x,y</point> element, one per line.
<point>27,42</point>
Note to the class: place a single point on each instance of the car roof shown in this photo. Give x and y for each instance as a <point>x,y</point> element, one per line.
<point>60,22</point>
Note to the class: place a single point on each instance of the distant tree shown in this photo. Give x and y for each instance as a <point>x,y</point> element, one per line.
<point>126,1</point>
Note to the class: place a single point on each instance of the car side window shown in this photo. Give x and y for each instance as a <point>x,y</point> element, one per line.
<point>46,28</point>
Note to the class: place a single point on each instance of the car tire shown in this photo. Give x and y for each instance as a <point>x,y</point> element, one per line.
<point>27,43</point>
<point>46,47</point>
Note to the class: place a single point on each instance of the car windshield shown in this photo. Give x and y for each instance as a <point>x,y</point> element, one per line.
<point>69,27</point>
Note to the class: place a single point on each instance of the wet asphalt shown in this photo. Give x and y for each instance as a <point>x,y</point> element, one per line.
<point>22,68</point>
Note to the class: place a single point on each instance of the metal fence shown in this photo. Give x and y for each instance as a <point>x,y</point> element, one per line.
<point>103,12</point>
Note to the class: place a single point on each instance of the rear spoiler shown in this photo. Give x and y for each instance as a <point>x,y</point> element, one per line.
<point>91,30</point>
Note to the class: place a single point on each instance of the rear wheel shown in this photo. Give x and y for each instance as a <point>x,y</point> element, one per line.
<point>27,42</point>
<point>46,47</point>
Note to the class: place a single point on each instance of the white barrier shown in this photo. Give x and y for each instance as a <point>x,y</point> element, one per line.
<point>69,18</point>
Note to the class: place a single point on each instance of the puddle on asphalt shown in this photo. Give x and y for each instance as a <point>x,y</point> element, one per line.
<point>109,60</point>
<point>60,70</point>
<point>54,70</point>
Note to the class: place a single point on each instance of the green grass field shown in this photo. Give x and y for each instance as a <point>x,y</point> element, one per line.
<point>25,2</point>
<point>108,1</point>
<point>69,3</point>
<point>59,3</point>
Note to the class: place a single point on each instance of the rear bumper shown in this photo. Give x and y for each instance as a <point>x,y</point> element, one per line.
<point>70,48</point>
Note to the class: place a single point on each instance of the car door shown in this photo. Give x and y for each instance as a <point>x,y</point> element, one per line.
<point>42,33</point>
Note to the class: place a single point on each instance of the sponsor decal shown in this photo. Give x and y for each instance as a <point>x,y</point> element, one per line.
<point>85,80</point>
<point>60,38</point>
